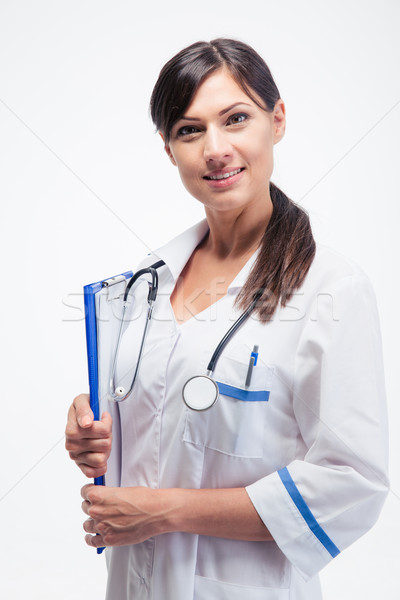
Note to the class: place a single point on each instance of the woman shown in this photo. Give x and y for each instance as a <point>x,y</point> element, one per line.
<point>251,498</point>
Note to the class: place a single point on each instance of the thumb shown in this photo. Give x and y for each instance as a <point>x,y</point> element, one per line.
<point>83,412</point>
<point>85,419</point>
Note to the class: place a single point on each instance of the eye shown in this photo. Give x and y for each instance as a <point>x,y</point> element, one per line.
<point>186,130</point>
<point>237,118</point>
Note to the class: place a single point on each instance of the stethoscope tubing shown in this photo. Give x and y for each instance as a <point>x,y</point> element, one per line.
<point>152,295</point>
<point>230,333</point>
<point>114,395</point>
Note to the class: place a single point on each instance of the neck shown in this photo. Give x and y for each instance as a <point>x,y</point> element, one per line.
<point>239,233</point>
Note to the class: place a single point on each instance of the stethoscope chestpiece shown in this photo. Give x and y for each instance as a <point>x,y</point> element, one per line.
<point>200,392</point>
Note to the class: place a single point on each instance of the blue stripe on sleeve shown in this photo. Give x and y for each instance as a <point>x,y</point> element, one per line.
<point>306,512</point>
<point>239,394</point>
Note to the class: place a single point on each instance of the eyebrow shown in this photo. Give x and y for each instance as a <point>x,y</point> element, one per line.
<point>220,114</point>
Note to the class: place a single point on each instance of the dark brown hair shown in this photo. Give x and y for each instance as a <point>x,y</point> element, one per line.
<point>287,248</point>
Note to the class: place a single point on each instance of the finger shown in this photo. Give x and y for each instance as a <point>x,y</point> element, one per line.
<point>86,490</point>
<point>73,428</point>
<point>95,541</point>
<point>89,526</point>
<point>92,464</point>
<point>107,420</point>
<point>76,434</point>
<point>83,412</point>
<point>91,472</point>
<point>95,494</point>
<point>85,507</point>
<point>98,446</point>
<point>79,446</point>
<point>90,459</point>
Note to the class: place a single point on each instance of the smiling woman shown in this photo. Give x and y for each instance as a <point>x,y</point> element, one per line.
<point>287,467</point>
<point>214,104</point>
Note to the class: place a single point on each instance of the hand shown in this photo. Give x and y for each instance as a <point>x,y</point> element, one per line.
<point>130,515</point>
<point>122,516</point>
<point>88,441</point>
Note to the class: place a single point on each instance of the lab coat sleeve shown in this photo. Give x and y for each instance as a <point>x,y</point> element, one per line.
<point>315,506</point>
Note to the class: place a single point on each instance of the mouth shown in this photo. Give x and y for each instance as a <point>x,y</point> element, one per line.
<point>218,175</point>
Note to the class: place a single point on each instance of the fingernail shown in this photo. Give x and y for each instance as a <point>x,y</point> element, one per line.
<point>86,420</point>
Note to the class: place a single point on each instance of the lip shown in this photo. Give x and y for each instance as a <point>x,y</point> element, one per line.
<point>226,181</point>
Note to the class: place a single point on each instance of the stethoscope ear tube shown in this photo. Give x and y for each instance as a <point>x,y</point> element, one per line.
<point>153,286</point>
<point>118,394</point>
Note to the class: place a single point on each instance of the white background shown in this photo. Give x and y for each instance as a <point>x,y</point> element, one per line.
<point>86,189</point>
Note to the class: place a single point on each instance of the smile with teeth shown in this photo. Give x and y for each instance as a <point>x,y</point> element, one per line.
<point>224,175</point>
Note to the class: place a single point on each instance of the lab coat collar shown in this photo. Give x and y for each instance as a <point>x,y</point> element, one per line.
<point>241,277</point>
<point>177,252</point>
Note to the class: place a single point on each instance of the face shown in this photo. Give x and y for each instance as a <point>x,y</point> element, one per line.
<point>223,145</point>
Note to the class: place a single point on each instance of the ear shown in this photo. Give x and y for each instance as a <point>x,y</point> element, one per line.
<point>168,150</point>
<point>279,120</point>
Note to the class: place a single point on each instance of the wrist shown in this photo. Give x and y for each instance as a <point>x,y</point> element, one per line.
<point>188,510</point>
<point>226,513</point>
<point>168,506</point>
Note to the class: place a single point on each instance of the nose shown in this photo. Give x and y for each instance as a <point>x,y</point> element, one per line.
<point>217,147</point>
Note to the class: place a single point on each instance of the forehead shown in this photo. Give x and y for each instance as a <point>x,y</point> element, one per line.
<point>217,91</point>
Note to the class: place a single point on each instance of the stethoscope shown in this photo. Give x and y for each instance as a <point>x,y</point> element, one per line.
<point>199,392</point>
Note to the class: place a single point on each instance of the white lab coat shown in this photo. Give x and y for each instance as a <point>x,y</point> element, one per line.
<point>310,448</point>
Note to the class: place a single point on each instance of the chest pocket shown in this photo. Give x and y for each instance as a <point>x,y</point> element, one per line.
<point>235,425</point>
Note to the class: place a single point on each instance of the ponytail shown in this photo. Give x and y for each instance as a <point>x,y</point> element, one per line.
<point>286,252</point>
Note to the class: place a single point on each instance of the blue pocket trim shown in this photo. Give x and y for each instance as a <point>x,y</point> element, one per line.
<point>306,513</point>
<point>239,394</point>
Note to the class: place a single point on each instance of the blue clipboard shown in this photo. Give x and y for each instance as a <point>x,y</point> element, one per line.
<point>91,324</point>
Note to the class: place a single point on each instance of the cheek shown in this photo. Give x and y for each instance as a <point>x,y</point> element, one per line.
<point>262,154</point>
<point>189,171</point>
<point>186,175</point>
<point>190,180</point>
